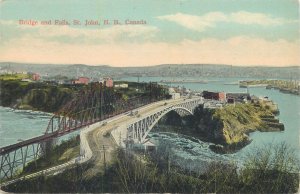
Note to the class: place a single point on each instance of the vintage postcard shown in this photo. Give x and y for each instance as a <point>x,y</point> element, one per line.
<point>149,96</point>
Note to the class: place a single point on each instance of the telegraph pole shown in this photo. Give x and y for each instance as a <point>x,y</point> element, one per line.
<point>101,101</point>
<point>104,160</point>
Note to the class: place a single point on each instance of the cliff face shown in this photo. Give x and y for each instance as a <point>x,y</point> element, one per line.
<point>34,96</point>
<point>231,124</point>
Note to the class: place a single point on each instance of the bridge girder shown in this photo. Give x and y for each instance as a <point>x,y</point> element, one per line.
<point>17,159</point>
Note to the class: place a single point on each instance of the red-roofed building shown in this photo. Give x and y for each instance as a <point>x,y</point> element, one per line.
<point>82,80</point>
<point>221,96</point>
<point>108,82</point>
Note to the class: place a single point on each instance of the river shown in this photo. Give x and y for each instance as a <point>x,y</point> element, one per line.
<point>18,125</point>
<point>188,152</point>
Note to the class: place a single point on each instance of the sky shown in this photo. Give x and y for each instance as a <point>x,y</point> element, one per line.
<point>233,32</point>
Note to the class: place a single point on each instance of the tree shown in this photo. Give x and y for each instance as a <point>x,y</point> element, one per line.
<point>271,169</point>
<point>134,175</point>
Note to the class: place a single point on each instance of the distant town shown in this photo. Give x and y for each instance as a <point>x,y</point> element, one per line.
<point>168,70</point>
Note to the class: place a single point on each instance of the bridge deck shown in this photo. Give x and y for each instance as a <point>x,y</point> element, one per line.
<point>97,137</point>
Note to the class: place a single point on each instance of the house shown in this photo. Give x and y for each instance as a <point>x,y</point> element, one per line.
<point>66,82</point>
<point>82,80</point>
<point>220,96</point>
<point>35,77</point>
<point>121,86</point>
<point>175,96</point>
<point>171,91</point>
<point>26,80</point>
<point>239,97</point>
<point>230,101</point>
<point>174,93</point>
<point>108,82</point>
<point>149,146</point>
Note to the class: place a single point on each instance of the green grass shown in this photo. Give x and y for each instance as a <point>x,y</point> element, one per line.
<point>17,76</point>
<point>241,119</point>
<point>281,84</point>
<point>60,154</point>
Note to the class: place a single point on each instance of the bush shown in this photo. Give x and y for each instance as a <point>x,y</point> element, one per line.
<point>272,169</point>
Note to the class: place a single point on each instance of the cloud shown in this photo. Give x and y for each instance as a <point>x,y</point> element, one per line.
<point>189,21</point>
<point>236,51</point>
<point>7,22</point>
<point>84,35</point>
<point>209,20</point>
<point>110,34</point>
<point>133,45</point>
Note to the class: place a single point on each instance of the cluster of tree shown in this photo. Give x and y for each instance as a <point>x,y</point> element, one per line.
<point>51,98</point>
<point>271,170</point>
<point>36,95</point>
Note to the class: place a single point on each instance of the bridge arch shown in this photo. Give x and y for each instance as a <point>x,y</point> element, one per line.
<point>139,130</point>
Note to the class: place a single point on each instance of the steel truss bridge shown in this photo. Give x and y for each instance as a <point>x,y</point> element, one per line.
<point>93,104</point>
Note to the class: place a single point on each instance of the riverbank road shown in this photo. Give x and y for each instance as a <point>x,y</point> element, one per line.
<point>102,143</point>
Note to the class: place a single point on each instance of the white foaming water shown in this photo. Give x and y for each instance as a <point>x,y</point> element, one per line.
<point>191,153</point>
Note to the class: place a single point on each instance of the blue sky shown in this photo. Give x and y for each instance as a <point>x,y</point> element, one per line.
<point>235,32</point>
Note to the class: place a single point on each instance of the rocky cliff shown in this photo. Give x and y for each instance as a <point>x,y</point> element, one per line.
<point>230,125</point>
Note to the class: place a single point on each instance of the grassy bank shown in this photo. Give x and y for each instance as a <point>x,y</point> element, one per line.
<point>59,154</point>
<point>233,122</point>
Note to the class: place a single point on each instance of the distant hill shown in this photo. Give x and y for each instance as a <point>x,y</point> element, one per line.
<point>172,70</point>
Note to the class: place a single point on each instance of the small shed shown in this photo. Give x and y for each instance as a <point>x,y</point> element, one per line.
<point>149,146</point>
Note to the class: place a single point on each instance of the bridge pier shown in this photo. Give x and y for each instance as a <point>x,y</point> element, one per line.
<point>47,146</point>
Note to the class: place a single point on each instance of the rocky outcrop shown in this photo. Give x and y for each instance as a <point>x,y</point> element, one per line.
<point>228,127</point>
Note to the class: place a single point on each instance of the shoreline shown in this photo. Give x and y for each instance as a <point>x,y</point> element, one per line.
<point>26,110</point>
<point>283,86</point>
